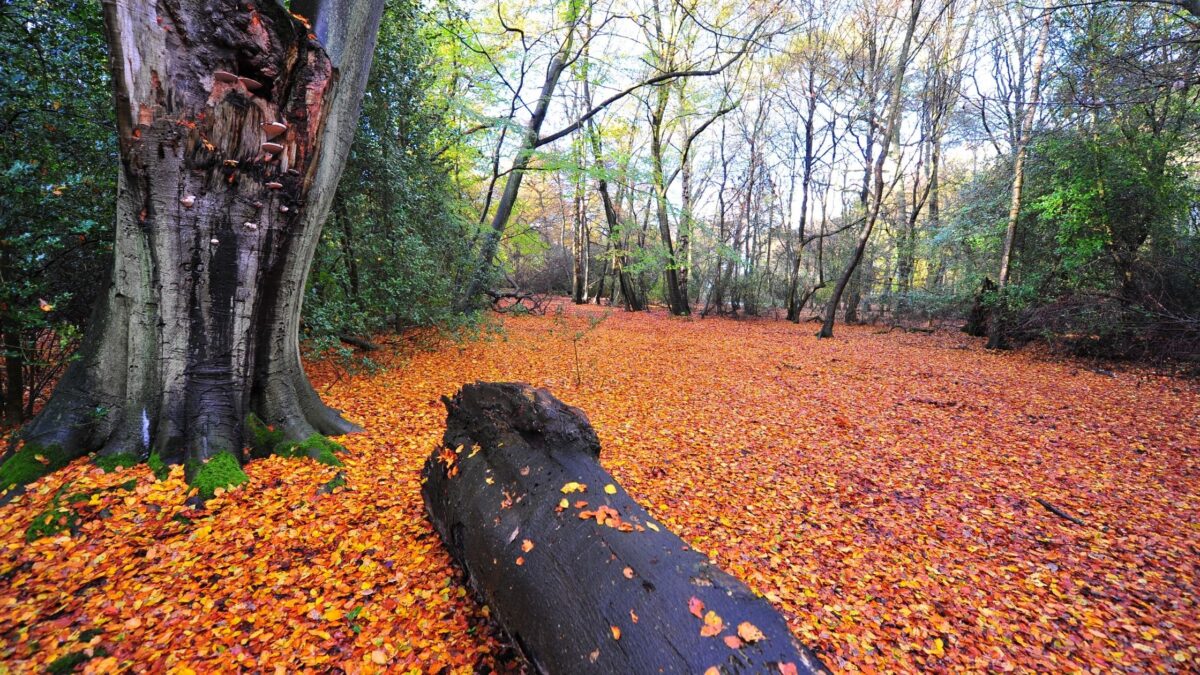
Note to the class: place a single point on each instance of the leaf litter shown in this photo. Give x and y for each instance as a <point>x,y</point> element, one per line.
<point>894,496</point>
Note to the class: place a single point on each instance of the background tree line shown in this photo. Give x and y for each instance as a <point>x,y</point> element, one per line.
<point>718,158</point>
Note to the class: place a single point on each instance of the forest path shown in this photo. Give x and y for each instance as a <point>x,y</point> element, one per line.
<point>880,489</point>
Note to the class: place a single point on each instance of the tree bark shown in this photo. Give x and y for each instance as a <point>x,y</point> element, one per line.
<point>629,293</point>
<point>599,587</point>
<point>215,229</point>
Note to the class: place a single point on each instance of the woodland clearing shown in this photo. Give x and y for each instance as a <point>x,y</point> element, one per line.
<point>890,493</point>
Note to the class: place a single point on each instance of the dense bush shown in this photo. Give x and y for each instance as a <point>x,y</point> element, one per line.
<point>57,187</point>
<point>396,246</point>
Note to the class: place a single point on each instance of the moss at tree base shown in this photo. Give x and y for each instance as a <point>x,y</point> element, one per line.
<point>110,463</point>
<point>67,663</point>
<point>221,471</point>
<point>316,447</point>
<point>334,483</point>
<point>158,467</point>
<point>265,441</point>
<point>63,514</point>
<point>55,519</point>
<point>262,438</point>
<point>30,463</point>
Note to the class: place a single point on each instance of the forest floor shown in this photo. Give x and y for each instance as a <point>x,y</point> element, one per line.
<point>884,491</point>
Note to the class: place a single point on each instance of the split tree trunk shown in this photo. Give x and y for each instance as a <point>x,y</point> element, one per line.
<point>215,230</point>
<point>595,587</point>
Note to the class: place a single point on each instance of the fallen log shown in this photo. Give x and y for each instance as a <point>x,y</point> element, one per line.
<point>361,343</point>
<point>582,578</point>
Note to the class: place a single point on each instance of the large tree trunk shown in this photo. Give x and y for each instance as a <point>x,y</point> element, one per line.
<point>595,587</point>
<point>218,217</point>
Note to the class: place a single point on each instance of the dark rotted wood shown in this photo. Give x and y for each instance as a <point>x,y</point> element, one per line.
<point>558,583</point>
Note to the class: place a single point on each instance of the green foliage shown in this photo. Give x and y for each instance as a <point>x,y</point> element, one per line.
<point>396,245</point>
<point>57,178</point>
<point>1105,196</point>
<point>30,463</point>
<point>221,471</point>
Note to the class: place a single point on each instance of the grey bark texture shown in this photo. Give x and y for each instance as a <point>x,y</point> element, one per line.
<point>218,218</point>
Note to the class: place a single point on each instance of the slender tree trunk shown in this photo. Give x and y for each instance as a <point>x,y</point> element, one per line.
<point>677,300</point>
<point>905,240</point>
<point>578,282</point>
<point>877,199</point>
<point>613,219</point>
<point>218,218</point>
<point>793,304</point>
<point>606,257</point>
<point>512,187</point>
<point>685,223</point>
<point>996,338</point>
<point>14,376</point>
<point>935,210</point>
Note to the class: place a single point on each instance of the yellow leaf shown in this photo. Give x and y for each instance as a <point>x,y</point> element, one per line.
<point>712,624</point>
<point>616,632</point>
<point>379,657</point>
<point>333,614</point>
<point>573,487</point>
<point>939,648</point>
<point>610,489</point>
